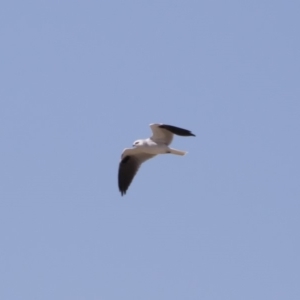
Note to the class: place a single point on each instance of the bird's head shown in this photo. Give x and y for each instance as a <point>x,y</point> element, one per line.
<point>137,143</point>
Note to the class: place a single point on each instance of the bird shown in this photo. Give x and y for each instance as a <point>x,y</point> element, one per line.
<point>144,149</point>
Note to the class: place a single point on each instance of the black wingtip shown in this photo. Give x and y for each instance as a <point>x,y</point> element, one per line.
<point>122,191</point>
<point>177,130</point>
<point>123,161</point>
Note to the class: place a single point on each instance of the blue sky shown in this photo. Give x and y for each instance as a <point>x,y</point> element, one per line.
<point>80,81</point>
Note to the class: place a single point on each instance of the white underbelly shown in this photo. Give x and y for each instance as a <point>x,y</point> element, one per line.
<point>156,149</point>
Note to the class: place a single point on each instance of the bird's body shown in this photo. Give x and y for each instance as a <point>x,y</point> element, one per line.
<point>149,147</point>
<point>145,149</point>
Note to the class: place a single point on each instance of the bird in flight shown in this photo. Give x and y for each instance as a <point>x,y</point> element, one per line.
<point>144,149</point>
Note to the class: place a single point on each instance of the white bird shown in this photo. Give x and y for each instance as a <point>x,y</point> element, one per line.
<point>144,149</point>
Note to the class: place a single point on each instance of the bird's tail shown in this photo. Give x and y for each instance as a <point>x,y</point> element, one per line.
<point>177,152</point>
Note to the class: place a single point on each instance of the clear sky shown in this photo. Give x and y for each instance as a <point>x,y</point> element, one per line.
<point>80,81</point>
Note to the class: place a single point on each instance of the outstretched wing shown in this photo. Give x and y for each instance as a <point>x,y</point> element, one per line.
<point>128,167</point>
<point>163,133</point>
